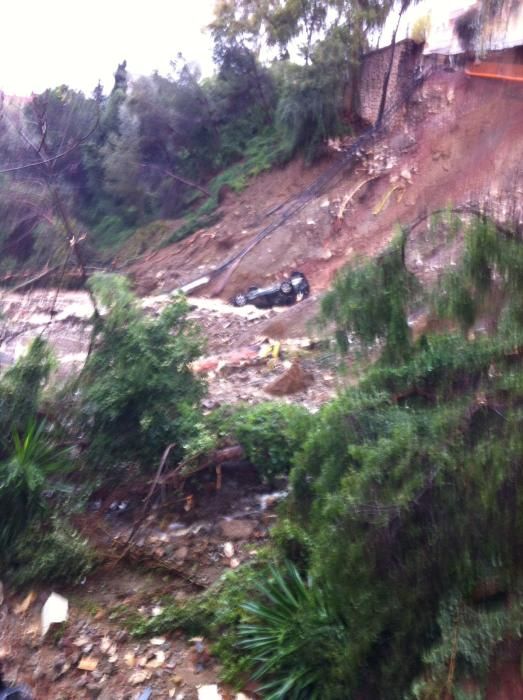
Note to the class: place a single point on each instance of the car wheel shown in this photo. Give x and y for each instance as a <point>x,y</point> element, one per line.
<point>240,299</point>
<point>286,288</point>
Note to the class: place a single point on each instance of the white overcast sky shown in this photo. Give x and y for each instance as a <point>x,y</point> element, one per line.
<point>44,43</point>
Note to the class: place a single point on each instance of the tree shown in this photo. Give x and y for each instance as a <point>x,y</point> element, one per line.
<point>370,303</point>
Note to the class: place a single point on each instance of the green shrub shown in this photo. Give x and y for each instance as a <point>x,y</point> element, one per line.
<point>58,555</point>
<point>260,153</point>
<point>309,107</point>
<point>23,480</point>
<point>270,434</point>
<point>138,393</point>
<point>407,486</point>
<point>292,542</point>
<point>20,391</point>
<point>370,302</point>
<point>468,637</point>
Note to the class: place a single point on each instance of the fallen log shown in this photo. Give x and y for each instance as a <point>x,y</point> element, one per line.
<point>234,454</point>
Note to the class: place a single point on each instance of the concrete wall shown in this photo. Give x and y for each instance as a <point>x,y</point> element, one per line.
<point>373,70</point>
<point>503,32</point>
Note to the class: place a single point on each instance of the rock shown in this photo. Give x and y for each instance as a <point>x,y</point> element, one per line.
<point>228,550</point>
<point>237,529</point>
<point>295,379</point>
<point>55,611</point>
<point>88,663</point>
<point>24,606</point>
<point>209,692</point>
<point>93,690</point>
<point>157,641</point>
<point>139,677</point>
<point>130,660</point>
<point>39,674</point>
<point>60,667</point>
<point>105,645</point>
<point>157,660</point>
<point>181,553</point>
<point>402,142</point>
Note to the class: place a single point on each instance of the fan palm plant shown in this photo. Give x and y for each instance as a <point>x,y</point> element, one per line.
<point>23,479</point>
<point>290,633</point>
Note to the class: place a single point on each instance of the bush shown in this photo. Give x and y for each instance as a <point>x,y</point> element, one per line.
<point>469,635</point>
<point>270,434</point>
<point>404,502</point>
<point>309,108</point>
<point>138,393</point>
<point>407,486</point>
<point>20,391</point>
<point>60,555</point>
<point>369,302</point>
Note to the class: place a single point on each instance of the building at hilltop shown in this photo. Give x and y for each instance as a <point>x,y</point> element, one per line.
<point>455,32</point>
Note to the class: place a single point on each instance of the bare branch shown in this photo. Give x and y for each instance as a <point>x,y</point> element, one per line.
<point>173,176</point>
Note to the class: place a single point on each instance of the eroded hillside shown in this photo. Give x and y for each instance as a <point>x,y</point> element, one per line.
<point>457,143</point>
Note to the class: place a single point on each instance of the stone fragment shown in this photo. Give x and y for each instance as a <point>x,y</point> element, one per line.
<point>228,550</point>
<point>209,692</point>
<point>88,663</point>
<point>295,379</point>
<point>26,603</point>
<point>55,611</point>
<point>237,529</point>
<point>139,677</point>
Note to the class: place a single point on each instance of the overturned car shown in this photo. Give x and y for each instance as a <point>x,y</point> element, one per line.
<point>283,293</point>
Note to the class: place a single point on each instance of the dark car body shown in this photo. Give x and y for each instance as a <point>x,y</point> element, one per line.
<point>284,293</point>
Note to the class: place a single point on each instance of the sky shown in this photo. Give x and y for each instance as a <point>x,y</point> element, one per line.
<point>45,43</point>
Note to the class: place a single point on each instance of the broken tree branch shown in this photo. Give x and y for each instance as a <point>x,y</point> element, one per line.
<point>143,515</point>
